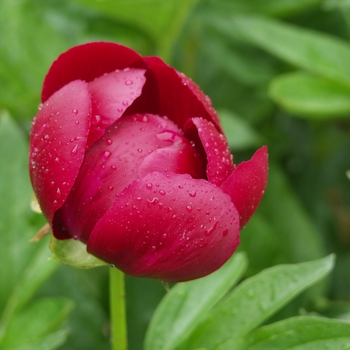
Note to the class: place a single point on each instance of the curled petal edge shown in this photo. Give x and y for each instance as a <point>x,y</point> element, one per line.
<point>246,185</point>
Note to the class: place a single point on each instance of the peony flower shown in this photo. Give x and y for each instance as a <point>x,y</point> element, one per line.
<point>127,155</point>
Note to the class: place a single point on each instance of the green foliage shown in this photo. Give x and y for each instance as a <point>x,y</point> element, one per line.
<point>262,63</point>
<point>25,266</point>
<point>232,321</point>
<point>184,307</point>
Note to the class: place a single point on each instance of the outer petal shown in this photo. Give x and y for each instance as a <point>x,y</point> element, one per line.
<point>116,160</point>
<point>111,94</point>
<point>87,62</point>
<point>219,159</point>
<point>246,185</point>
<point>179,97</point>
<point>57,144</point>
<point>170,227</point>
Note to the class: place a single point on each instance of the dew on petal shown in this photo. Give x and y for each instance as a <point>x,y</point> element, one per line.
<point>189,209</point>
<point>106,154</point>
<point>149,186</point>
<point>74,150</point>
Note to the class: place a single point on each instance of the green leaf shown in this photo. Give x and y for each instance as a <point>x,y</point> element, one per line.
<point>24,61</point>
<point>15,213</point>
<point>298,238</point>
<point>162,20</point>
<point>321,54</point>
<point>239,133</point>
<point>303,332</point>
<point>254,301</point>
<point>268,7</point>
<point>27,265</point>
<point>50,342</point>
<point>35,322</point>
<point>73,253</point>
<point>239,62</point>
<point>33,276</point>
<point>184,306</point>
<point>310,96</point>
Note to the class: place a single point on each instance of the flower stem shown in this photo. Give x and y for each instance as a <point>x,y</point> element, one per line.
<point>117,309</point>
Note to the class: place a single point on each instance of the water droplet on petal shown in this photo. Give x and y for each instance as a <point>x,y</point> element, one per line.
<point>128,82</point>
<point>58,192</point>
<point>162,193</point>
<point>106,154</point>
<point>149,186</point>
<point>145,119</point>
<point>189,208</point>
<point>111,188</point>
<point>192,193</point>
<point>96,120</point>
<point>75,111</point>
<point>74,150</point>
<point>125,103</point>
<point>108,142</point>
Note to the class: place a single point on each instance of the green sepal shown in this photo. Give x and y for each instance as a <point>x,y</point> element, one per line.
<point>73,253</point>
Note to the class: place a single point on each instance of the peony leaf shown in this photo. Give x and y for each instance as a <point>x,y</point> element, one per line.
<point>73,253</point>
<point>183,307</point>
<point>310,96</point>
<point>34,324</point>
<point>302,333</point>
<point>254,301</point>
<point>320,54</point>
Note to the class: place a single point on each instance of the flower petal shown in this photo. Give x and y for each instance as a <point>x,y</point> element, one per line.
<point>87,62</point>
<point>111,94</point>
<point>174,87</point>
<point>219,159</point>
<point>168,226</point>
<point>246,185</point>
<point>57,144</point>
<point>113,162</point>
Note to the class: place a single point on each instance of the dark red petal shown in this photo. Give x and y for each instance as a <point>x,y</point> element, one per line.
<point>111,95</point>
<point>57,144</point>
<point>116,160</point>
<point>247,183</point>
<point>87,62</point>
<point>219,159</point>
<point>179,97</point>
<point>168,226</point>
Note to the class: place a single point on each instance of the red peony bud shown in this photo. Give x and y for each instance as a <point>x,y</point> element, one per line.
<point>128,156</point>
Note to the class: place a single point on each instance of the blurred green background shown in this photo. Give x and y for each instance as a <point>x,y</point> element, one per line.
<point>278,72</point>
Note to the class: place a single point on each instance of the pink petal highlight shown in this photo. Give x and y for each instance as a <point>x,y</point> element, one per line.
<point>179,97</point>
<point>219,159</point>
<point>246,185</point>
<point>111,95</point>
<point>57,144</point>
<point>87,62</point>
<point>168,226</point>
